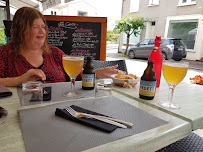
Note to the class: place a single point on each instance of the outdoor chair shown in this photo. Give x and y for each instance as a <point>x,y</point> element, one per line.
<point>101,64</point>
<point>191,143</point>
<point>7,25</point>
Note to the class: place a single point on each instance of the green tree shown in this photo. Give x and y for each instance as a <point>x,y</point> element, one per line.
<point>2,36</point>
<point>201,7</point>
<point>130,25</point>
<point>109,33</point>
<point>111,36</point>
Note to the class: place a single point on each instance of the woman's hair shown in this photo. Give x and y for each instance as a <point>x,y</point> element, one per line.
<point>22,25</point>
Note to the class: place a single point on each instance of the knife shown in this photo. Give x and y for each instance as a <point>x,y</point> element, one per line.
<point>108,118</point>
<point>103,119</point>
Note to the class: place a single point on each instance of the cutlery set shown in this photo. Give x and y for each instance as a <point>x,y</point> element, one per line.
<point>113,121</point>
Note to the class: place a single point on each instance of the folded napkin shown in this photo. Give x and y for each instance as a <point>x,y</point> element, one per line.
<point>86,121</point>
<point>4,92</point>
<point>47,94</point>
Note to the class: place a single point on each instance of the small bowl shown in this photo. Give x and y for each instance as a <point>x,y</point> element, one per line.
<point>120,82</point>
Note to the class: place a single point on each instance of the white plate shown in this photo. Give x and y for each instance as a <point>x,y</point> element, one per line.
<point>120,82</point>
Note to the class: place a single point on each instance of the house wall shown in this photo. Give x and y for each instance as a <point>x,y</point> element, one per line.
<point>72,9</point>
<point>167,10</point>
<point>125,11</point>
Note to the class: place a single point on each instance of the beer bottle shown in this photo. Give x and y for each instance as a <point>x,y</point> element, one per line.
<point>148,82</point>
<point>88,76</point>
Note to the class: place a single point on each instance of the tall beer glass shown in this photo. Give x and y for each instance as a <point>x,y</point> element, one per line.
<point>73,66</point>
<point>173,72</point>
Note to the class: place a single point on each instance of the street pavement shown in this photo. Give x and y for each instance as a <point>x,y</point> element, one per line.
<point>112,52</point>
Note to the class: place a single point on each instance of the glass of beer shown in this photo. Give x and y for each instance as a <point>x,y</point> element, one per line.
<point>73,66</point>
<point>173,72</point>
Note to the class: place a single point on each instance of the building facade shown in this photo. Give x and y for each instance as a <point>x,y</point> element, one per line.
<point>73,8</point>
<point>175,18</point>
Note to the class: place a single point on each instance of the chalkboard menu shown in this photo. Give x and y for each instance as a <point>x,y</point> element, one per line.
<point>78,35</point>
<point>75,38</point>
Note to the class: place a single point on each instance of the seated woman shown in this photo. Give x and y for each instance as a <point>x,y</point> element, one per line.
<point>28,57</point>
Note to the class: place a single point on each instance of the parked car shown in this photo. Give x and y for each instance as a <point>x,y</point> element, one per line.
<point>171,48</point>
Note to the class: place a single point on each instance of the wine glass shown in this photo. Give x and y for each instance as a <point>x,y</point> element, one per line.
<point>73,66</point>
<point>173,72</point>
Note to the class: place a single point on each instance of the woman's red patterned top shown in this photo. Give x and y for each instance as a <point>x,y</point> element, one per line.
<point>13,65</point>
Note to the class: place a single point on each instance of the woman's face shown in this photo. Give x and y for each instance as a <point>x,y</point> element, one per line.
<point>37,36</point>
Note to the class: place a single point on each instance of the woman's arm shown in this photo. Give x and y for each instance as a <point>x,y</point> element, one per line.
<point>10,82</point>
<point>106,72</point>
<point>30,75</point>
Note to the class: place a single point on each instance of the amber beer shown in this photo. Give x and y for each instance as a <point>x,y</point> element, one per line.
<point>88,76</point>
<point>174,74</point>
<point>73,65</point>
<point>148,82</point>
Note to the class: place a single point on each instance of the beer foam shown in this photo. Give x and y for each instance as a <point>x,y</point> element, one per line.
<point>176,64</point>
<point>73,58</point>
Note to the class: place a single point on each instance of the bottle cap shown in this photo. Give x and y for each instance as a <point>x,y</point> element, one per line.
<point>152,61</point>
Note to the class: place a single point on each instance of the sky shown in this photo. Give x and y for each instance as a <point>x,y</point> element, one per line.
<point>108,8</point>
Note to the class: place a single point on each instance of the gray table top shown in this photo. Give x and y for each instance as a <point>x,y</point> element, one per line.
<point>151,140</point>
<point>189,96</point>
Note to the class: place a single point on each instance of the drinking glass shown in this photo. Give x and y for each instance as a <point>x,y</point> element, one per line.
<point>173,72</point>
<point>32,91</point>
<point>103,86</point>
<point>73,66</point>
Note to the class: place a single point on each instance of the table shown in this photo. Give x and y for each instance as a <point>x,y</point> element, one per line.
<point>189,96</point>
<point>151,140</point>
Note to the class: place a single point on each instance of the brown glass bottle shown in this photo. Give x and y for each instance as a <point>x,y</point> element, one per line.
<point>88,75</point>
<point>148,82</point>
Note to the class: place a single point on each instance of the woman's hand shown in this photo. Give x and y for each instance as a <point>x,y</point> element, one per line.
<point>106,72</point>
<point>32,75</point>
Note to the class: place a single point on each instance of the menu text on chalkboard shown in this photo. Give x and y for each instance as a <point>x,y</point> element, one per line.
<point>75,38</point>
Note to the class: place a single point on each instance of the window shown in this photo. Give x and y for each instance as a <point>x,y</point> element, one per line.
<point>53,13</point>
<point>151,41</point>
<point>144,42</point>
<point>153,23</point>
<point>185,30</point>
<point>186,2</point>
<point>134,5</point>
<point>82,13</point>
<point>153,2</point>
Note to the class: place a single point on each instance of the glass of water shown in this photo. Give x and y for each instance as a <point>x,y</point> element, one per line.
<point>32,91</point>
<point>103,87</point>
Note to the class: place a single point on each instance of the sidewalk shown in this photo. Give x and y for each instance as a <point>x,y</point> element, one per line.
<point>197,65</point>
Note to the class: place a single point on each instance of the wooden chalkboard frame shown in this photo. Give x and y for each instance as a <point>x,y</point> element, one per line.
<point>102,20</point>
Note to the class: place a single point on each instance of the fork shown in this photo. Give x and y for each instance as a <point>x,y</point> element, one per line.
<point>109,118</point>
<point>79,115</point>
